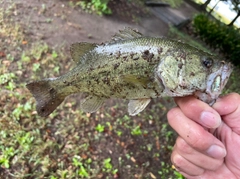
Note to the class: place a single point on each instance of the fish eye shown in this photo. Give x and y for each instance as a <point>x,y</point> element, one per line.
<point>207,62</point>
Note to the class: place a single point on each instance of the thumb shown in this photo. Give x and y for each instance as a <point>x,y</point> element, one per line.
<point>229,109</point>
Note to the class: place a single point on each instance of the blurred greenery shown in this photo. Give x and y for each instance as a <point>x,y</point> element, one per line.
<point>219,36</point>
<point>98,6</point>
<point>173,3</point>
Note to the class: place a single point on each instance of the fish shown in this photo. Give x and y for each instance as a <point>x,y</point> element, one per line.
<point>133,67</point>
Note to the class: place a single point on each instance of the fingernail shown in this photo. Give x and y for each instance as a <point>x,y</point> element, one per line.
<point>216,151</point>
<point>210,120</point>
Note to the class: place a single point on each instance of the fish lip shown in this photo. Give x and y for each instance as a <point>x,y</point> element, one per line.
<point>224,74</point>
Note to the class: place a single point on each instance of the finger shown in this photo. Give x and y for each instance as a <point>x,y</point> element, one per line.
<point>222,172</point>
<point>229,107</point>
<point>195,157</point>
<point>199,111</point>
<point>228,104</point>
<point>184,166</point>
<point>195,135</point>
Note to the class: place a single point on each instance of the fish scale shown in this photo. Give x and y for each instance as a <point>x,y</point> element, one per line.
<point>136,68</point>
<point>113,72</point>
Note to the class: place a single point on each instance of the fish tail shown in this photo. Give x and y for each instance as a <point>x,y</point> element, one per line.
<point>46,96</point>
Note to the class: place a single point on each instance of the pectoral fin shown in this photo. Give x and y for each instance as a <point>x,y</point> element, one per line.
<point>135,106</point>
<point>92,104</point>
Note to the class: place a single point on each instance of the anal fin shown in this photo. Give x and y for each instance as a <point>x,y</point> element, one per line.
<point>92,104</point>
<point>135,106</point>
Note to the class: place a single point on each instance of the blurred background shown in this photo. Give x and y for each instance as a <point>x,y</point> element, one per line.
<point>35,37</point>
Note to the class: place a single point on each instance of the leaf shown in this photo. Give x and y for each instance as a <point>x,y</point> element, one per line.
<point>54,54</point>
<point>24,42</point>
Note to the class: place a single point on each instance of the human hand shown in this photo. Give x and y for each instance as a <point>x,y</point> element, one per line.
<point>208,145</point>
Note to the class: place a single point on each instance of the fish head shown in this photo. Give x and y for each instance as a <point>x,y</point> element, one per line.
<point>218,75</point>
<point>199,74</point>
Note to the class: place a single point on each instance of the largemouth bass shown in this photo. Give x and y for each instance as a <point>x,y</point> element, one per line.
<point>136,68</point>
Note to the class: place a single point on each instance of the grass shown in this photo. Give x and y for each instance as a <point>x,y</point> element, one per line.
<point>70,143</point>
<point>98,6</point>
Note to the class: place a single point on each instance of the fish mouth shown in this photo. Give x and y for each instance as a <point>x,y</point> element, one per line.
<point>217,80</point>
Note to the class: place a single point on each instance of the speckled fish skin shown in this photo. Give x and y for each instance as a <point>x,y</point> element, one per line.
<point>136,68</point>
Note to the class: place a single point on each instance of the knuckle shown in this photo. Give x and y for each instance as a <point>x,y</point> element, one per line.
<point>217,164</point>
<point>173,113</point>
<point>183,146</point>
<point>178,161</point>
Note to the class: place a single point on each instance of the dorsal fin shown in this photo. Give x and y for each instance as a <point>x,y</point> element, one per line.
<point>79,49</point>
<point>126,34</point>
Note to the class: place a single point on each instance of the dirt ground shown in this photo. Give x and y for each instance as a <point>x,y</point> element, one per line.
<point>69,25</point>
<point>108,144</point>
<point>57,23</point>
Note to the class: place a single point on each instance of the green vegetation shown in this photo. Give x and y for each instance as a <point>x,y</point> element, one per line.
<point>107,166</point>
<point>174,33</point>
<point>221,16</point>
<point>98,6</point>
<point>136,131</point>
<point>99,128</point>
<point>219,36</point>
<point>173,3</point>
<point>81,168</point>
<point>70,143</point>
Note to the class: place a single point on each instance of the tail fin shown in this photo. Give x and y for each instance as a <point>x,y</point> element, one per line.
<point>46,96</point>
